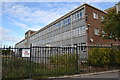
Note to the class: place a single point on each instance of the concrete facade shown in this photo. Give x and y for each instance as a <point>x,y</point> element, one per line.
<point>81,26</point>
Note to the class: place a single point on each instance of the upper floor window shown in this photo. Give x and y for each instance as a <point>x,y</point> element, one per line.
<point>95,15</point>
<point>96,31</point>
<point>102,18</point>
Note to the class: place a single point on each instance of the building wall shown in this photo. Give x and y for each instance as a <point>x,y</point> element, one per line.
<point>95,24</point>
<point>62,35</point>
<point>118,7</point>
<point>21,44</point>
<point>71,29</point>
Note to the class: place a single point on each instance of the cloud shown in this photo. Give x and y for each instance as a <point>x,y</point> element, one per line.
<point>5,37</point>
<point>18,11</point>
<point>25,27</point>
<point>35,15</point>
<point>29,17</point>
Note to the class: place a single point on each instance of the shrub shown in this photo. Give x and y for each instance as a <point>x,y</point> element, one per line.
<point>63,59</point>
<point>64,63</point>
<point>104,57</point>
<point>7,52</point>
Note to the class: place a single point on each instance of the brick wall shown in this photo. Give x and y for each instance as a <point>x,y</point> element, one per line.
<point>95,23</point>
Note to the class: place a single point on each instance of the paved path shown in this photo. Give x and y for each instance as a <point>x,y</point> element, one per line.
<point>101,76</point>
<point>113,75</point>
<point>104,75</point>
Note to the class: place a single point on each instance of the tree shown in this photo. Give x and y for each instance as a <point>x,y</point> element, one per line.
<point>111,25</point>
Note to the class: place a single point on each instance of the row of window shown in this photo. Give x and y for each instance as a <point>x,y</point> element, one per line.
<point>76,16</point>
<point>95,16</point>
<point>79,31</point>
<point>66,35</point>
<point>65,22</point>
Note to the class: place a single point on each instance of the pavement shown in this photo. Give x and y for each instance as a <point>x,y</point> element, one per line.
<point>106,75</point>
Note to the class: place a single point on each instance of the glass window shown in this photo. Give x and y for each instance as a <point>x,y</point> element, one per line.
<point>73,16</point>
<point>80,14</point>
<point>102,18</point>
<point>77,15</point>
<point>83,30</point>
<point>95,15</point>
<point>69,20</point>
<point>77,31</point>
<point>83,46</point>
<point>96,31</point>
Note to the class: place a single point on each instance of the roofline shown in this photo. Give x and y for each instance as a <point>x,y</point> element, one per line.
<point>64,16</point>
<point>19,42</point>
<point>30,30</point>
<point>57,20</point>
<point>95,8</point>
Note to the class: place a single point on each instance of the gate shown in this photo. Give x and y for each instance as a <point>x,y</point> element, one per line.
<point>13,64</point>
<point>43,61</point>
<point>51,61</point>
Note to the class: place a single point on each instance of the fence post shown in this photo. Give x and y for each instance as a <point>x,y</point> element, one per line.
<point>30,75</point>
<point>76,59</point>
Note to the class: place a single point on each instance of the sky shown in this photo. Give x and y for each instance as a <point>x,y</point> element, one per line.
<point>18,17</point>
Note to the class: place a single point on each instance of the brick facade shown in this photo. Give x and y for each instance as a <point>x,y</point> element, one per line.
<point>96,23</point>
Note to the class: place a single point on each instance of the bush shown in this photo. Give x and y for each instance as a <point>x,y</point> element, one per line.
<point>103,57</point>
<point>7,52</point>
<point>63,59</point>
<point>20,68</point>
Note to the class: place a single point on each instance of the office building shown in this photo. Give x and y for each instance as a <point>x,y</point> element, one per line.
<point>81,26</point>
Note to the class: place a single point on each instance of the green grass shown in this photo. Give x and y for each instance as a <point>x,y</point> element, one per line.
<point>20,68</point>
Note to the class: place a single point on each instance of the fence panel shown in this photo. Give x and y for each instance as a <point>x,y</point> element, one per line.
<point>13,64</point>
<point>51,61</point>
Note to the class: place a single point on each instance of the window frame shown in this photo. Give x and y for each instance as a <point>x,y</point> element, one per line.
<point>96,31</point>
<point>95,15</point>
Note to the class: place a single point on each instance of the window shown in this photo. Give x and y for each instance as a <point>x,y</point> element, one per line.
<point>74,32</point>
<point>83,29</point>
<point>83,47</point>
<point>102,18</point>
<point>80,14</point>
<point>73,16</point>
<point>96,31</point>
<point>80,31</point>
<point>95,15</point>
<point>69,20</point>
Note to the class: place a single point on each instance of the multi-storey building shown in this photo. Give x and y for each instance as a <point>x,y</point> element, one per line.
<point>81,26</point>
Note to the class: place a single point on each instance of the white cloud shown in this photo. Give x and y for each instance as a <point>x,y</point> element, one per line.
<point>26,27</point>
<point>29,18</point>
<point>18,11</point>
<point>5,37</point>
<point>36,15</point>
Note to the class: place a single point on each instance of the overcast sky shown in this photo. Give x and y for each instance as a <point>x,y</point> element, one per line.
<point>18,17</point>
